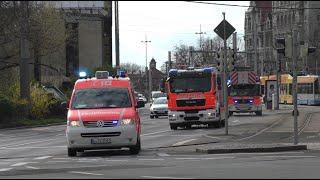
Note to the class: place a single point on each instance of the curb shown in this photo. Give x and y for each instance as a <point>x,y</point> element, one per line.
<point>35,126</point>
<point>253,150</point>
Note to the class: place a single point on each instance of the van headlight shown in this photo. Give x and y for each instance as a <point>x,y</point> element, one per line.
<point>74,123</point>
<point>125,122</point>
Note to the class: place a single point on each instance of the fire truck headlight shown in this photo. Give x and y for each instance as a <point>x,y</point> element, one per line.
<point>251,101</point>
<point>74,123</point>
<point>235,101</point>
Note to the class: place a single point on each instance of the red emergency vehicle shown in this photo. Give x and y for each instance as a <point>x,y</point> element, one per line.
<point>103,114</point>
<point>244,93</point>
<point>194,97</point>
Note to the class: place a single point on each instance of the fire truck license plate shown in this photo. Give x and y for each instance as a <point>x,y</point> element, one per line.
<point>100,141</point>
<point>191,115</point>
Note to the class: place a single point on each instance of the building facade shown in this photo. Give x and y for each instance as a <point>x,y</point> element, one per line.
<point>267,23</point>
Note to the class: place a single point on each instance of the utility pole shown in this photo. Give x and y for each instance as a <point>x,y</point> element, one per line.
<point>255,40</point>
<point>24,52</point>
<point>200,34</point>
<point>169,60</point>
<point>117,34</point>
<point>146,42</point>
<point>225,91</point>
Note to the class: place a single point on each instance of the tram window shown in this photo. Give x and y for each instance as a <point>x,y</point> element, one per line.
<point>316,87</point>
<point>262,89</point>
<point>305,88</point>
<point>283,89</point>
<point>290,89</point>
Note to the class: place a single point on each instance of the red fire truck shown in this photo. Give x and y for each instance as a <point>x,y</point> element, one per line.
<point>244,93</point>
<point>194,97</point>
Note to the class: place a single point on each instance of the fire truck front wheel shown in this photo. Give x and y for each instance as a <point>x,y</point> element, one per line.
<point>173,127</point>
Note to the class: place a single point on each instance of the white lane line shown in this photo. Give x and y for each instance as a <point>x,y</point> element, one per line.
<point>155,133</point>
<point>164,177</point>
<point>163,154</point>
<point>183,142</point>
<point>5,169</point>
<point>31,167</point>
<point>43,157</point>
<point>85,173</point>
<point>150,159</point>
<point>21,164</point>
<point>216,158</point>
<point>289,156</point>
<point>187,158</point>
<point>34,142</point>
<point>31,147</point>
<point>61,158</point>
<point>58,161</point>
<point>116,160</point>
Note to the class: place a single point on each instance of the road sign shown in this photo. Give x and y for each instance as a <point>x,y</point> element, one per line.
<point>229,29</point>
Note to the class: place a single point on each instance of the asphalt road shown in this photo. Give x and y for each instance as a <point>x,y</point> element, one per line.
<point>41,153</point>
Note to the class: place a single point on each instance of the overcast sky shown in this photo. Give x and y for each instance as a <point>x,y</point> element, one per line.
<point>170,23</point>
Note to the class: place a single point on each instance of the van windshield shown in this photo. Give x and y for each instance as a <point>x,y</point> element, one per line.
<point>101,98</point>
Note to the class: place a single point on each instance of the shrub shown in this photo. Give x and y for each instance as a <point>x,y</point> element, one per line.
<point>40,101</point>
<point>6,108</point>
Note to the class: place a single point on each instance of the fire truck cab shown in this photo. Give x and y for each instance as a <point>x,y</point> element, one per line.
<point>244,93</point>
<point>194,97</point>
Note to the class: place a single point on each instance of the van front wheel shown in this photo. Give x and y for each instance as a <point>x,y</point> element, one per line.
<point>136,148</point>
<point>72,152</point>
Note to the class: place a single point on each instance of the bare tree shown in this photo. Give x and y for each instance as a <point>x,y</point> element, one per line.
<point>132,68</point>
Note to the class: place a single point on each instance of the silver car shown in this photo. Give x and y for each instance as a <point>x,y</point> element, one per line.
<point>159,107</point>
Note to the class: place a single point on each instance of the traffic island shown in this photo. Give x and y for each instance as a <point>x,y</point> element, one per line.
<point>250,148</point>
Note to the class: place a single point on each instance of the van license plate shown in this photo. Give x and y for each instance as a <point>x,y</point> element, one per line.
<point>100,141</point>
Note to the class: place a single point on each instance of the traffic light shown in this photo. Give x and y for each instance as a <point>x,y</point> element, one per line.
<point>305,50</point>
<point>219,61</point>
<point>286,44</point>
<point>311,50</point>
<point>231,60</point>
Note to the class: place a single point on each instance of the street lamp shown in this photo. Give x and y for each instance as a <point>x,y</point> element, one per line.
<point>146,42</point>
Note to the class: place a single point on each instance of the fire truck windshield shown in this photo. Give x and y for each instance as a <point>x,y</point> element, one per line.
<point>190,84</point>
<point>245,90</point>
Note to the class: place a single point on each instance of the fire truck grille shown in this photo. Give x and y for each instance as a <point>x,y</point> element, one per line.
<point>191,102</point>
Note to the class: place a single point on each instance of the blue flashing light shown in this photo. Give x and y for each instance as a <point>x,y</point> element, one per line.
<point>173,72</point>
<point>122,74</point>
<point>251,101</point>
<point>228,82</point>
<point>115,122</point>
<point>82,74</point>
<point>208,70</point>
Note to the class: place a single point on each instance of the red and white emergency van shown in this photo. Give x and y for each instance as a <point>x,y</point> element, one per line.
<point>103,114</point>
<point>244,93</point>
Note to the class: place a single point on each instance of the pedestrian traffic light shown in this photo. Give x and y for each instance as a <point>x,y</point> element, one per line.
<point>286,44</point>
<point>219,61</point>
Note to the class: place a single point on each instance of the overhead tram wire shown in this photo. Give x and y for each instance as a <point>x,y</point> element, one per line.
<point>244,6</point>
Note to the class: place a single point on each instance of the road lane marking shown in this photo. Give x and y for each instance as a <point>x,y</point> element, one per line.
<point>186,158</point>
<point>123,160</point>
<point>58,161</point>
<point>155,133</point>
<point>150,159</point>
<point>30,147</point>
<point>5,169</point>
<point>85,173</point>
<point>15,145</point>
<point>43,157</point>
<point>31,167</point>
<point>164,177</point>
<point>22,164</point>
<point>183,142</point>
<point>163,154</point>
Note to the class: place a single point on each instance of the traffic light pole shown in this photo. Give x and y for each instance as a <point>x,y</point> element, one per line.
<point>294,88</point>
<point>225,90</point>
